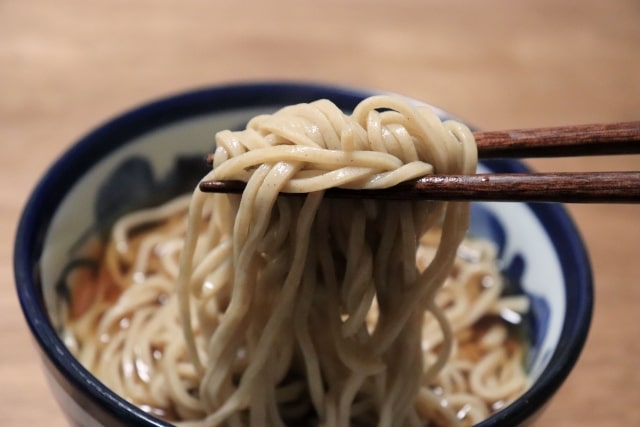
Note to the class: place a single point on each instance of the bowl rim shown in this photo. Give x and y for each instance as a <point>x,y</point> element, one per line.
<point>53,186</point>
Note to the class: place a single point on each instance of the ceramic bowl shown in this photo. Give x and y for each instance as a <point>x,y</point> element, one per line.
<point>155,151</point>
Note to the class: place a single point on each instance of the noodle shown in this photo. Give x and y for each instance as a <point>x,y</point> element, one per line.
<point>301,310</point>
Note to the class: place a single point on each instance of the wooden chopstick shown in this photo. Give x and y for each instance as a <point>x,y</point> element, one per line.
<point>562,141</point>
<point>567,187</point>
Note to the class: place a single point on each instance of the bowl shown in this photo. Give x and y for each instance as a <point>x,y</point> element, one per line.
<point>155,151</point>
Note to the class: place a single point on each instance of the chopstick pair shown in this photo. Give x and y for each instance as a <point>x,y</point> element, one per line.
<point>566,187</point>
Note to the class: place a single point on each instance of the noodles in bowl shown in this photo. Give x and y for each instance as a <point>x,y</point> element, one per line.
<point>111,214</point>
<point>267,310</point>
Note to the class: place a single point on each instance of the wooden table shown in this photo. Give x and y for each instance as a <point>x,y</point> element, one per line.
<point>66,66</point>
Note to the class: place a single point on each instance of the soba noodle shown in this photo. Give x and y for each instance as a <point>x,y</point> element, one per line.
<point>271,311</point>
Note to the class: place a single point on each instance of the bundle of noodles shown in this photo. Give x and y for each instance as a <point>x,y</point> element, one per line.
<point>283,312</point>
<point>301,310</point>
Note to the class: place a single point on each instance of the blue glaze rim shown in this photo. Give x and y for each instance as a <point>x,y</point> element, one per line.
<point>54,184</point>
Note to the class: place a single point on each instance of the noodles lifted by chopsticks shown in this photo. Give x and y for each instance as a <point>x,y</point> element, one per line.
<point>305,311</point>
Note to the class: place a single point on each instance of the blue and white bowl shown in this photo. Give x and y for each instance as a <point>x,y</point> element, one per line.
<point>156,151</point>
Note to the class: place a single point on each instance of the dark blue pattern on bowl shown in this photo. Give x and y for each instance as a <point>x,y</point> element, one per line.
<point>485,225</point>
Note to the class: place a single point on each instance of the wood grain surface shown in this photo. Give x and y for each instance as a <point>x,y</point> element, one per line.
<point>68,65</point>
